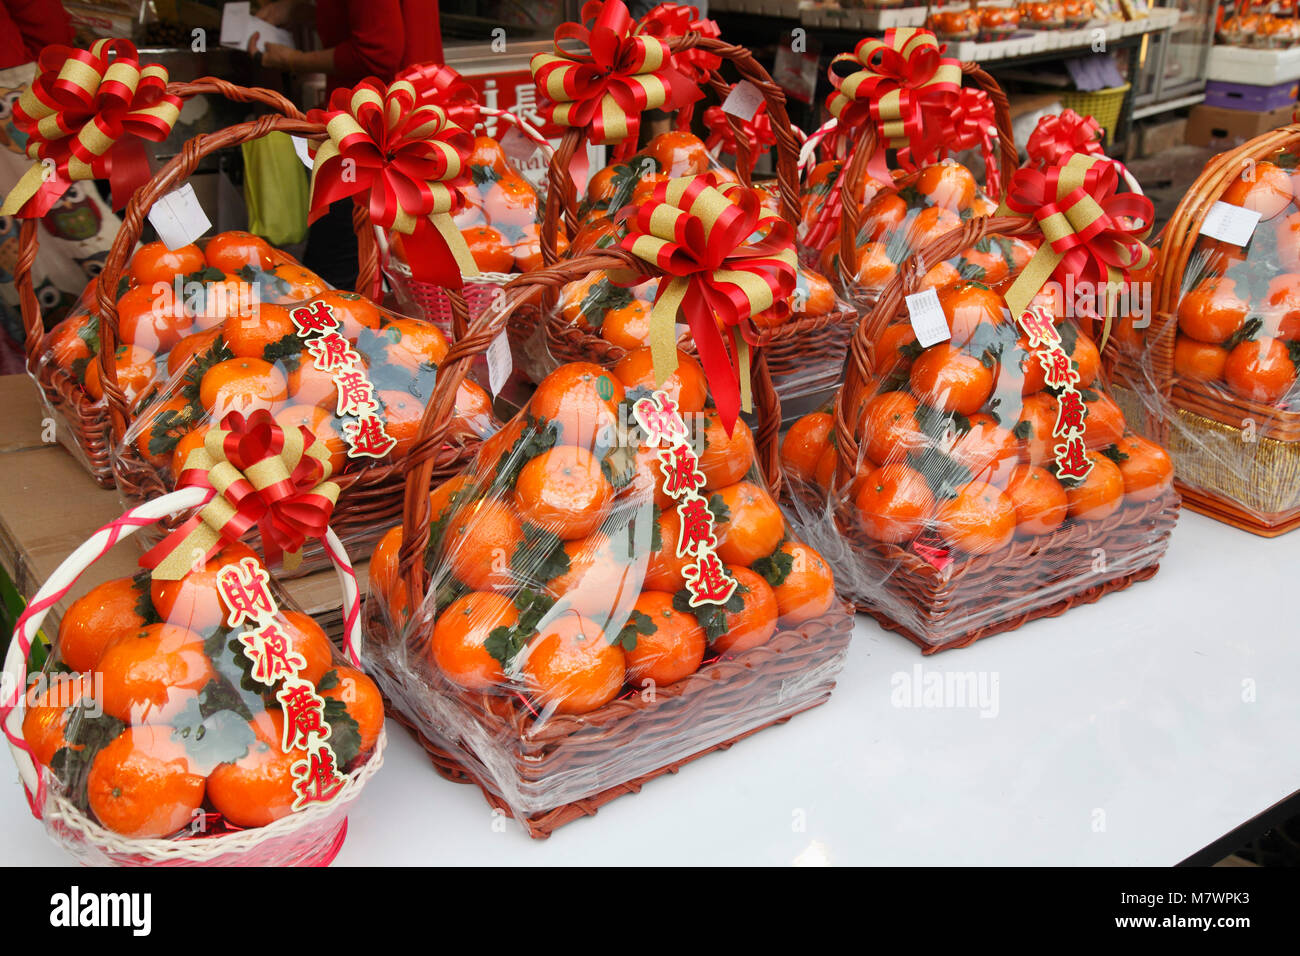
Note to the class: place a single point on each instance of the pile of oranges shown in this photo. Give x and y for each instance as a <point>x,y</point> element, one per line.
<point>160,729</point>
<point>554,556</point>
<point>228,342</point>
<point>957,439</point>
<point>1239,320</point>
<point>499,219</point>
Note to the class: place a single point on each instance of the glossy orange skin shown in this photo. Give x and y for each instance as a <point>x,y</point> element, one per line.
<point>980,520</point>
<point>45,721</point>
<point>1199,361</point>
<point>402,414</point>
<point>808,591</point>
<point>1281,311</point>
<point>1268,192</point>
<point>154,262</point>
<point>679,153</point>
<point>571,398</point>
<point>628,327</point>
<point>415,343</point>
<point>231,251</point>
<point>149,676</point>
<point>196,343</point>
<point>481,536</point>
<point>968,306</point>
<point>384,576</point>
<point>193,601</point>
<point>930,223</point>
<point>874,268</point>
<point>893,503</point>
<point>726,459</point>
<point>805,443</point>
<point>947,378</point>
<point>142,785</point>
<point>302,284</point>
<point>355,312</point>
<point>754,527</point>
<point>361,697</point>
<point>600,581</point>
<point>664,570</point>
<point>248,336</point>
<point>674,649</point>
<point>510,202</point>
<point>755,623</point>
<point>948,185</point>
<point>148,425</point>
<point>1101,493</point>
<point>988,450</point>
<point>151,320</point>
<point>1148,470</point>
<point>1039,499</point>
<point>1260,370</point>
<point>309,641</point>
<point>685,385</point>
<point>489,249</point>
<point>456,645</point>
<point>136,371</point>
<point>96,620</point>
<point>257,789</point>
<point>64,344</point>
<point>886,354</point>
<point>889,429</point>
<point>1104,423</point>
<point>572,667</point>
<point>564,491</point>
<point>243,385</point>
<point>1212,311</point>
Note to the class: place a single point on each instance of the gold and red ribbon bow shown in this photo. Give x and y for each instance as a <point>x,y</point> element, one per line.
<point>619,73</point>
<point>263,476</point>
<point>409,161</point>
<point>668,20</point>
<point>904,84</point>
<point>439,85</point>
<point>724,260</point>
<point>972,123</point>
<point>85,116</point>
<point>1091,233</point>
<point>757,132</point>
<point>1056,138</point>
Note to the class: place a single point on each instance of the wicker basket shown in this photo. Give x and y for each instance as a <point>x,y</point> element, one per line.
<point>311,837</point>
<point>726,700</point>
<point>1104,106</point>
<point>966,600</point>
<point>370,497</point>
<point>1235,459</point>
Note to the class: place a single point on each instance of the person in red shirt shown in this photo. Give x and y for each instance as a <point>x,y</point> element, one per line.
<point>359,39</point>
<point>28,26</point>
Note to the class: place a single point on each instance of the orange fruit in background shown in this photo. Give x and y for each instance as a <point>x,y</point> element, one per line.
<point>874,268</point>
<point>883,216</point>
<point>1039,412</point>
<point>142,785</point>
<point>600,188</point>
<point>193,601</point>
<point>384,574</point>
<point>323,425</point>
<point>1199,361</point>
<point>808,590</point>
<point>582,400</point>
<point>969,305</point>
<point>940,274</point>
<point>726,459</point>
<point>527,250</point>
<point>980,520</point>
<point>753,525</point>
<point>678,153</point>
<point>352,311</point>
<point>64,343</point>
<point>592,231</point>
<point>599,578</point>
<point>360,695</point>
<point>893,503</point>
<point>189,441</point>
<point>889,429</point>
<point>222,299</point>
<point>45,720</point>
<point>414,343</point>
<point>456,645</point>
<point>1039,499</point>
<point>1104,424</point>
<point>136,371</point>
<point>154,262</point>
<point>987,450</point>
<point>250,335</point>
<point>824,473</point>
<point>563,491</point>
<point>950,379</point>
<point>309,385</point>
<point>984,264</point>
<point>151,320</point>
<point>572,296</point>
<point>572,667</point>
<point>1147,469</point>
<point>1261,370</point>
<point>257,789</point>
<point>664,570</point>
<point>447,494</point>
<point>930,223</point>
<point>887,355</point>
<point>813,294</point>
<point>96,620</point>
<point>805,443</point>
<point>192,345</point>
<point>150,675</point>
<point>628,327</point>
<point>1280,312</point>
<point>481,538</point>
<point>510,201</point>
<point>310,641</point>
<point>1213,310</point>
<point>152,428</point>
<point>231,251</point>
<point>1288,243</point>
<point>1100,494</point>
<point>402,413</point>
<point>488,154</point>
<point>1267,191</point>
<point>673,648</point>
<point>474,405</point>
<point>295,284</point>
<point>949,185</point>
<point>686,385</point>
<point>489,248</point>
<point>241,384</point>
<point>755,623</point>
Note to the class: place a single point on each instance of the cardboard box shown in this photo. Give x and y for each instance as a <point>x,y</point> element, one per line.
<point>1157,138</point>
<point>1215,126</point>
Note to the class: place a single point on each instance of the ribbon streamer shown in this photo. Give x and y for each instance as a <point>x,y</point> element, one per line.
<point>86,115</point>
<point>1090,232</point>
<point>439,85</point>
<point>724,260</point>
<point>668,20</point>
<point>409,161</point>
<point>622,73</point>
<point>757,132</point>
<point>972,123</point>
<point>263,476</point>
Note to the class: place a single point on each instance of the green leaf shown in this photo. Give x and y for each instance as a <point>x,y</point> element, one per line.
<point>289,345</point>
<point>944,475</point>
<point>86,734</point>
<point>1249,329</point>
<point>775,568</point>
<point>721,513</point>
<point>329,680</point>
<point>483,175</point>
<point>638,622</point>
<point>205,275</point>
<point>1023,430</point>
<point>345,733</point>
<point>602,298</point>
<point>172,425</point>
<point>266,281</point>
<point>713,617</point>
<point>144,603</point>
<point>89,333</point>
<point>211,732</point>
<point>1114,454</point>
<point>538,436</point>
<point>540,556</point>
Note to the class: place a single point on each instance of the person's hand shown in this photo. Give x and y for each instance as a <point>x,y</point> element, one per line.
<point>276,12</point>
<point>273,56</point>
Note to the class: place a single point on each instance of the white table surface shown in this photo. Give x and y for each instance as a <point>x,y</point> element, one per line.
<point>1132,731</point>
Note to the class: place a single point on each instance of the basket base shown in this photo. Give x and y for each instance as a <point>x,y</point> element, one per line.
<point>1089,596</point>
<point>1220,509</point>
<point>542,825</point>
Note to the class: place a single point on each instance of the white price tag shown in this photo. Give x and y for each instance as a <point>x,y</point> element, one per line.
<point>179,218</point>
<point>928,321</point>
<point>1229,223</point>
<point>743,100</point>
<point>300,147</point>
<point>499,362</point>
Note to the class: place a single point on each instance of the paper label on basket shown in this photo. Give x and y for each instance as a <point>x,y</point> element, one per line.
<point>1229,223</point>
<point>499,362</point>
<point>743,100</point>
<point>179,218</point>
<point>300,147</point>
<point>928,321</point>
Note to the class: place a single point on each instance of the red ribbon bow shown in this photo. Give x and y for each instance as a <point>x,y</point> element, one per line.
<point>287,509</point>
<point>85,116</point>
<point>668,20</point>
<point>1056,138</point>
<point>757,132</point>
<point>971,123</point>
<point>439,85</point>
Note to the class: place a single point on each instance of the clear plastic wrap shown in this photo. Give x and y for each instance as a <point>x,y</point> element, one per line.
<point>189,716</point>
<point>963,488</point>
<point>607,592</point>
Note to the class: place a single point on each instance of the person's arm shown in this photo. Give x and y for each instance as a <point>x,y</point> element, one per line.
<point>28,26</point>
<point>374,40</point>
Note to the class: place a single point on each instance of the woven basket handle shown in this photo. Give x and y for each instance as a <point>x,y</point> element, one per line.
<point>906,281</point>
<point>482,331</point>
<point>855,173</point>
<point>33,325</point>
